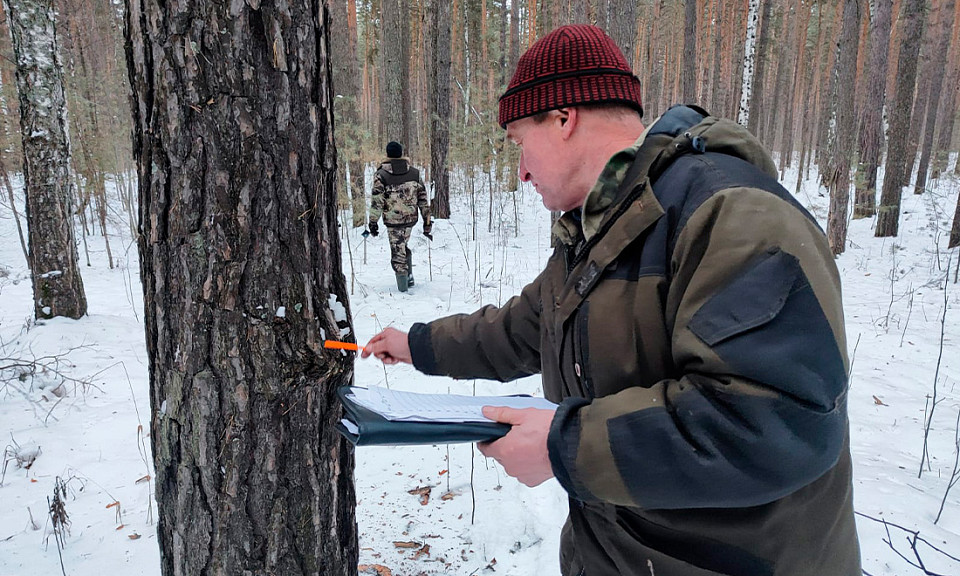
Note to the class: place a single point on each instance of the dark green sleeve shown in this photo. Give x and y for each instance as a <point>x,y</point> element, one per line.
<point>494,343</point>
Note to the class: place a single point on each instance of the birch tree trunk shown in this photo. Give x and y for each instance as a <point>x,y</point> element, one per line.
<point>57,286</point>
<point>749,62</point>
<point>240,264</point>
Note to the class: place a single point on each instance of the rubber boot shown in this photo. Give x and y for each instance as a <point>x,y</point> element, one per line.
<point>402,282</point>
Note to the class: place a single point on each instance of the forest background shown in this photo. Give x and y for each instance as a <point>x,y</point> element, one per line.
<point>844,85</point>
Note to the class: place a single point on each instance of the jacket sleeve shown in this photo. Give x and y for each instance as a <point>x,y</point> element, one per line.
<point>493,343</point>
<point>377,201</point>
<point>757,408</point>
<point>423,202</point>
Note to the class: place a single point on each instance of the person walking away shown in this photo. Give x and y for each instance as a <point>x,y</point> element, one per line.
<point>689,325</point>
<point>398,193</point>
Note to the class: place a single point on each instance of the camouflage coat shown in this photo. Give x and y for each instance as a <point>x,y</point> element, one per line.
<point>398,193</point>
<point>690,326</point>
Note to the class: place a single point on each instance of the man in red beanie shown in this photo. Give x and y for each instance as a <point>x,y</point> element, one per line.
<point>689,326</point>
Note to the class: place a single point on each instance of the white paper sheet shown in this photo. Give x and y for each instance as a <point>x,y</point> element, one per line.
<point>411,406</point>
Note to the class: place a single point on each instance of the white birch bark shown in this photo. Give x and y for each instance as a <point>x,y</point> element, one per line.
<point>57,287</point>
<point>749,58</point>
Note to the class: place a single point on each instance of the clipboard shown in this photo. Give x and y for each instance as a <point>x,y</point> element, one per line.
<point>373,429</point>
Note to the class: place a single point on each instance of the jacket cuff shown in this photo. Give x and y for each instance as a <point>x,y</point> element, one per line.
<point>562,445</point>
<point>421,348</point>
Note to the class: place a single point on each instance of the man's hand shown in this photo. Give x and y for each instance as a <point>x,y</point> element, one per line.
<point>389,346</point>
<point>523,451</point>
<point>374,229</point>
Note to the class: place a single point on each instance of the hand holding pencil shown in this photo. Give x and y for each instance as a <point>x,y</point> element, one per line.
<point>338,345</point>
<point>390,346</point>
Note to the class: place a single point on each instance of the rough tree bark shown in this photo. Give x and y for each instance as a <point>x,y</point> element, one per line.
<point>838,177</point>
<point>57,286</point>
<point>911,29</point>
<point>440,108</point>
<point>346,76</point>
<point>941,39</point>
<point>871,125</point>
<point>688,91</point>
<point>394,90</point>
<point>240,265</point>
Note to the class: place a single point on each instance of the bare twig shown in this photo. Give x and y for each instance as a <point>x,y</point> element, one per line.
<point>936,376</point>
<point>914,540</point>
<point>955,474</point>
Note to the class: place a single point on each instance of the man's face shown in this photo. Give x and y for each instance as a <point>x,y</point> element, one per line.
<point>545,160</point>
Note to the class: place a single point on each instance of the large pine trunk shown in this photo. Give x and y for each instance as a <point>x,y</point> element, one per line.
<point>346,76</point>
<point>440,108</point>
<point>871,126</point>
<point>57,286</point>
<point>895,177</point>
<point>941,39</point>
<point>838,179</point>
<point>240,265</point>
<point>394,91</point>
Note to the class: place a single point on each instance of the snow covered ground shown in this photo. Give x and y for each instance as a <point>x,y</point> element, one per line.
<point>446,509</point>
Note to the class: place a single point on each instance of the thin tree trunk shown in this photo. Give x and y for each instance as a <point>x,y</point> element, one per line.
<point>761,59</point>
<point>242,280</point>
<point>689,68</point>
<point>57,286</point>
<point>749,62</point>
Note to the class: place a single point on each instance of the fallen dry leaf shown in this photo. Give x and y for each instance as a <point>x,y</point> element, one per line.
<point>112,504</point>
<point>444,471</point>
<point>423,551</point>
<point>134,536</point>
<point>374,570</point>
<point>407,544</point>
<point>448,496</point>
<point>143,479</point>
<point>423,492</point>
<point>878,401</point>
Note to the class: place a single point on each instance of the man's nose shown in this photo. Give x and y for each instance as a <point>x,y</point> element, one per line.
<point>522,172</point>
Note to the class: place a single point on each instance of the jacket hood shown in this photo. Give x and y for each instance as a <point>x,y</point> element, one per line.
<point>692,129</point>
<point>396,166</point>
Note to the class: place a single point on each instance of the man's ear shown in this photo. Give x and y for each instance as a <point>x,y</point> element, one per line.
<point>567,119</point>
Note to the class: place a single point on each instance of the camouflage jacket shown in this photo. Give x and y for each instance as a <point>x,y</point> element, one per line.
<point>693,337</point>
<point>397,194</point>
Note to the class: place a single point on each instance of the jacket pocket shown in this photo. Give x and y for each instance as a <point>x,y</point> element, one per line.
<point>581,345</point>
<point>752,299</point>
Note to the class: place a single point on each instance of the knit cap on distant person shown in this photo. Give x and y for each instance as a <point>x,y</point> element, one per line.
<point>394,150</point>
<point>577,64</point>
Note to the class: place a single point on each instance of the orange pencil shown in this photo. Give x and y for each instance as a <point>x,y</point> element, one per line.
<point>342,345</point>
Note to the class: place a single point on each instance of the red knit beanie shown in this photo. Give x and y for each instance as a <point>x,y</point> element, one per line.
<point>572,65</point>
